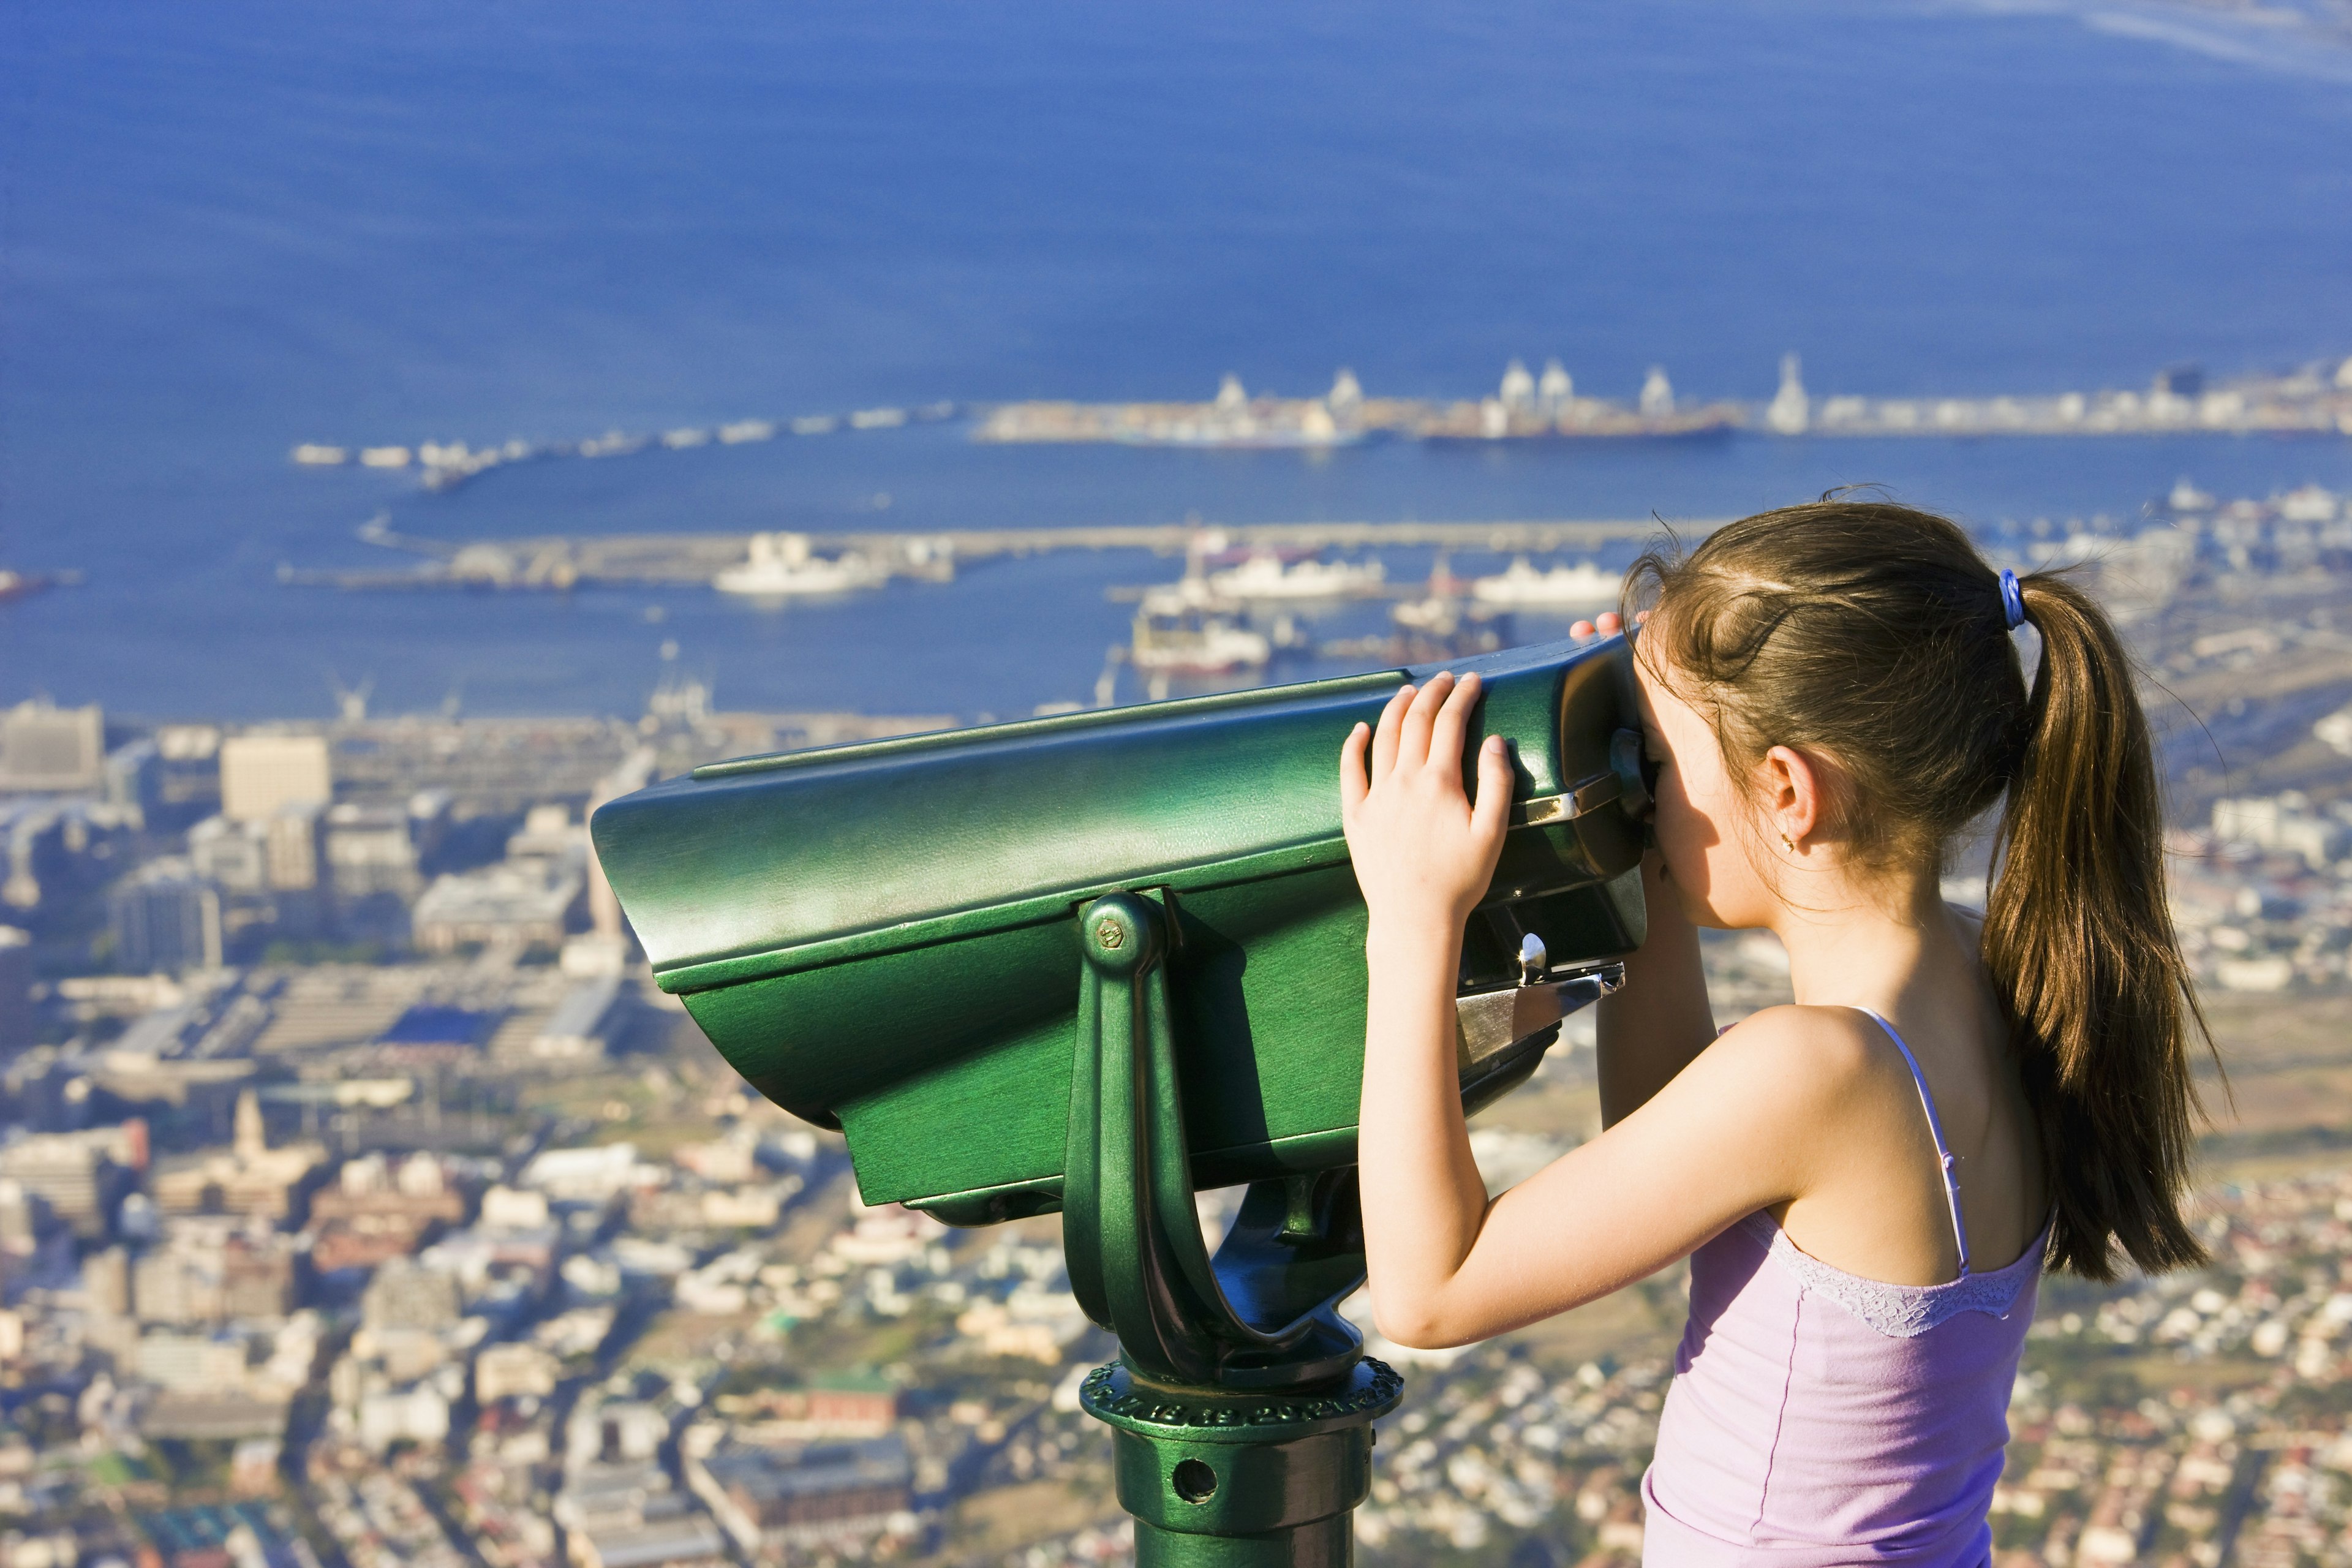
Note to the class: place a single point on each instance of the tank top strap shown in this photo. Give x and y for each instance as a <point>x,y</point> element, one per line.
<point>1935,1131</point>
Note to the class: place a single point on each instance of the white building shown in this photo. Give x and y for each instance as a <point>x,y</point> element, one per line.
<point>418,1415</point>
<point>262,774</point>
<point>52,750</point>
<point>525,903</point>
<point>513,1372</point>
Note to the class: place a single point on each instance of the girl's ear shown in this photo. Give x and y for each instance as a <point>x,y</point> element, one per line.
<point>1793,798</point>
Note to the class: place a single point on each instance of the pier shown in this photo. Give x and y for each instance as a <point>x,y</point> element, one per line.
<point>557,562</point>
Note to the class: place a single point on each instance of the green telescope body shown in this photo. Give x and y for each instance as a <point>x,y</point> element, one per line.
<point>884,937</point>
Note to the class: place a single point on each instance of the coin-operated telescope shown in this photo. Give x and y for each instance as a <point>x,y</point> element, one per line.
<point>1098,961</point>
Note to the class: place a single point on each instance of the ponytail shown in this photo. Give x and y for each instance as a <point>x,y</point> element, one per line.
<point>1876,634</point>
<point>2079,943</point>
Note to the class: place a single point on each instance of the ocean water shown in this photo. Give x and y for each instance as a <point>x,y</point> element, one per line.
<point>229,228</point>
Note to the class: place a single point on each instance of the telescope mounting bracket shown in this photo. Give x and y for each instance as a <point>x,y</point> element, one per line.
<point>1263,1313</point>
<point>1242,1405</point>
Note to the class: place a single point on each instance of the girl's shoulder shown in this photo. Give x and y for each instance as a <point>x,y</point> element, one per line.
<point>1752,1112</point>
<point>1833,1047</point>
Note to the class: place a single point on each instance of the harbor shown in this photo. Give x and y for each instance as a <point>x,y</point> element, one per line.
<point>1248,595</point>
<point>2311,400</point>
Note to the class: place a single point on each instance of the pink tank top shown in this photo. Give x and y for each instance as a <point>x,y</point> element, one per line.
<point>1818,1418</point>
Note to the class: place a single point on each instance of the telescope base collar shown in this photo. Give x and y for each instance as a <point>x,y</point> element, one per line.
<point>1114,1396</point>
<point>1223,1479</point>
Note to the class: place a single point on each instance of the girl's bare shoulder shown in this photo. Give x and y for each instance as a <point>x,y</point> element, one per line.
<point>1756,1106</point>
<point>1827,1049</point>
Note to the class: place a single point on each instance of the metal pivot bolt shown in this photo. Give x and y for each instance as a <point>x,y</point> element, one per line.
<point>1122,935</point>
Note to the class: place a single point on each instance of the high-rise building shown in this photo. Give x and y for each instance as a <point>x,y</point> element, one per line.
<point>52,750</point>
<point>16,989</point>
<point>269,870</point>
<point>261,774</point>
<point>408,1296</point>
<point>370,849</point>
<point>74,1172</point>
<point>165,919</point>
<point>210,1270</point>
<point>232,856</point>
<point>259,1279</point>
<point>106,1281</point>
<point>291,836</point>
<point>134,777</point>
<point>179,1283</point>
<point>26,1220</point>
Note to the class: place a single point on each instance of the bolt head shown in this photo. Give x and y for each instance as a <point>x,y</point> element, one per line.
<point>1110,934</point>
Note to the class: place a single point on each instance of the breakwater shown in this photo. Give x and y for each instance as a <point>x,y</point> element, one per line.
<point>2314,399</point>
<point>560,561</point>
<point>445,465</point>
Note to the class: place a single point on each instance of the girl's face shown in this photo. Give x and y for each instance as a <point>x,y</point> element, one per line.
<point>1702,823</point>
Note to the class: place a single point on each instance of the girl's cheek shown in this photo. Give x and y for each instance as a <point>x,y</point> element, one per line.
<point>1670,827</point>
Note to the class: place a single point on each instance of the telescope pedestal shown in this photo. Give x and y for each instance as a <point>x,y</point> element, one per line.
<point>1217,1479</point>
<point>1242,1402</point>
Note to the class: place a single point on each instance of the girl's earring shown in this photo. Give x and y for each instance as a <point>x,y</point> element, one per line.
<point>1786,844</point>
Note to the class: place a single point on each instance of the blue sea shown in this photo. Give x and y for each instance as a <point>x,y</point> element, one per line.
<point>228,228</point>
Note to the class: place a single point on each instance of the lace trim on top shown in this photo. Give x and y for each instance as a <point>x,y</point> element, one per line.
<point>1900,1311</point>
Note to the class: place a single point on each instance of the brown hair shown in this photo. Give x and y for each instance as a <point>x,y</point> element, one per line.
<point>1875,635</point>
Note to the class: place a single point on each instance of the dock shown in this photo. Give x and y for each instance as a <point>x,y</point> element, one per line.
<point>559,563</point>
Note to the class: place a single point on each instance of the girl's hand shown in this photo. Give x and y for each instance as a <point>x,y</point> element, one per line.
<point>1424,852</point>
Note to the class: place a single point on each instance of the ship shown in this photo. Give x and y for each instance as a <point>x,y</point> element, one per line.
<point>781,566</point>
<point>1263,575</point>
<point>1524,408</point>
<point>25,584</point>
<point>1445,623</point>
<point>1183,630</point>
<point>1581,586</point>
<point>1234,419</point>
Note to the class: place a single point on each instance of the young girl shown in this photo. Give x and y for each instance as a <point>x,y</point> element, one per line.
<point>1868,1184</point>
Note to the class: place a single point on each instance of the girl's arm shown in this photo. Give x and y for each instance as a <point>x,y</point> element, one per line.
<point>1748,1125</point>
<point>1447,1266</point>
<point>1423,856</point>
<point>1660,1021</point>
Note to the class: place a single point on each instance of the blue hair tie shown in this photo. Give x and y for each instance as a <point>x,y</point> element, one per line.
<point>2012,599</point>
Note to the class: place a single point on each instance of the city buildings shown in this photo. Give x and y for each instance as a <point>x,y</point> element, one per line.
<point>359,1187</point>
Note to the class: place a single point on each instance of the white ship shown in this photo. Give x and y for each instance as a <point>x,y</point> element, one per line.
<point>1264,577</point>
<point>781,566</point>
<point>1581,586</point>
<point>1442,623</point>
<point>1180,630</point>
